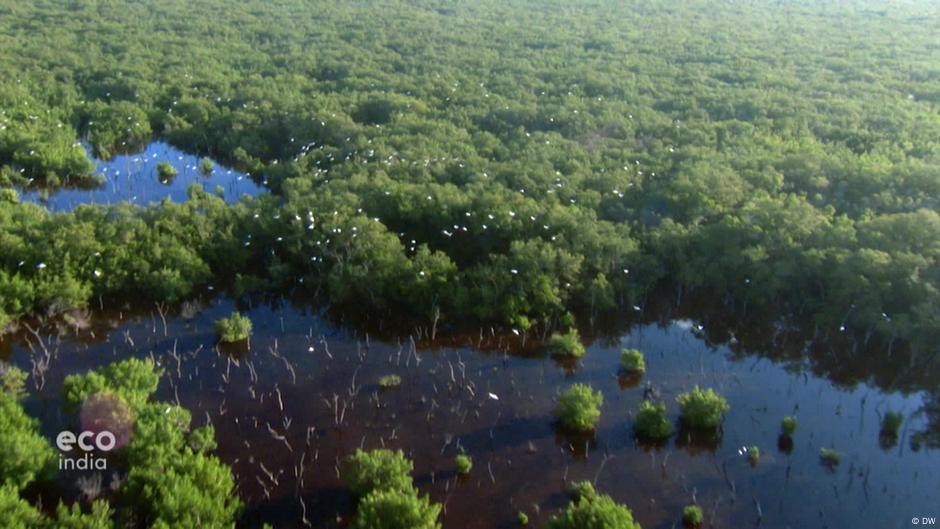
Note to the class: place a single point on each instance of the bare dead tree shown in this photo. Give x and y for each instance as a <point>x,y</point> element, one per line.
<point>161,310</point>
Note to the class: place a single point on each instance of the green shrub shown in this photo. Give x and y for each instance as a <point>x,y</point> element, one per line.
<point>582,489</point>
<point>118,126</point>
<point>205,165</point>
<point>651,422</point>
<point>702,408</point>
<point>8,194</point>
<point>15,512</point>
<point>379,469</point>
<point>692,516</point>
<point>598,512</point>
<point>396,509</point>
<point>26,455</point>
<point>464,463</point>
<point>235,328</point>
<point>788,425</point>
<point>568,344</point>
<point>202,439</point>
<point>169,481</point>
<point>523,518</point>
<point>166,170</point>
<point>72,517</point>
<point>134,380</point>
<point>390,381</point>
<point>12,380</point>
<point>632,361</point>
<point>753,455</point>
<point>579,407</point>
<point>830,457</point>
<point>175,487</point>
<point>891,423</point>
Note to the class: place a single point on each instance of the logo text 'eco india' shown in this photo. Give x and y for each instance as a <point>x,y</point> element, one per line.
<point>87,442</point>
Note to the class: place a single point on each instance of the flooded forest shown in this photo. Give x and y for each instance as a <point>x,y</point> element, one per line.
<point>432,264</point>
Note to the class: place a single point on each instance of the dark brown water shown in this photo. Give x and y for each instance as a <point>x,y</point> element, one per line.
<point>314,380</point>
<point>133,178</point>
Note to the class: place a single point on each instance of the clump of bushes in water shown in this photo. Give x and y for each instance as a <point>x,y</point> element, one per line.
<point>593,511</point>
<point>464,463</point>
<point>364,471</point>
<point>390,381</point>
<point>581,489</point>
<point>568,344</point>
<point>579,407</point>
<point>753,455</point>
<point>166,170</point>
<point>235,328</point>
<point>829,457</point>
<point>388,499</point>
<point>891,424</point>
<point>788,425</point>
<point>787,429</point>
<point>702,408</point>
<point>632,361</point>
<point>651,422</point>
<point>205,165</point>
<point>170,479</point>
<point>692,516</point>
<point>396,509</point>
<point>890,427</point>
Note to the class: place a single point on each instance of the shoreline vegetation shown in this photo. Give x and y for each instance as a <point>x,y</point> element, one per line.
<point>514,198</point>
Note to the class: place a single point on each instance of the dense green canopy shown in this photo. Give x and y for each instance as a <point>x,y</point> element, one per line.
<point>492,160</point>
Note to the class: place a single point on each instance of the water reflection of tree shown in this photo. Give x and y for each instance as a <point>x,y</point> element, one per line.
<point>234,350</point>
<point>698,441</point>
<point>652,445</point>
<point>629,380</point>
<point>578,444</point>
<point>566,363</point>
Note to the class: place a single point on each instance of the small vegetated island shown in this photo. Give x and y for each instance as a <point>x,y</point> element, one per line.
<point>579,408</point>
<point>166,170</point>
<point>526,165</point>
<point>234,328</point>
